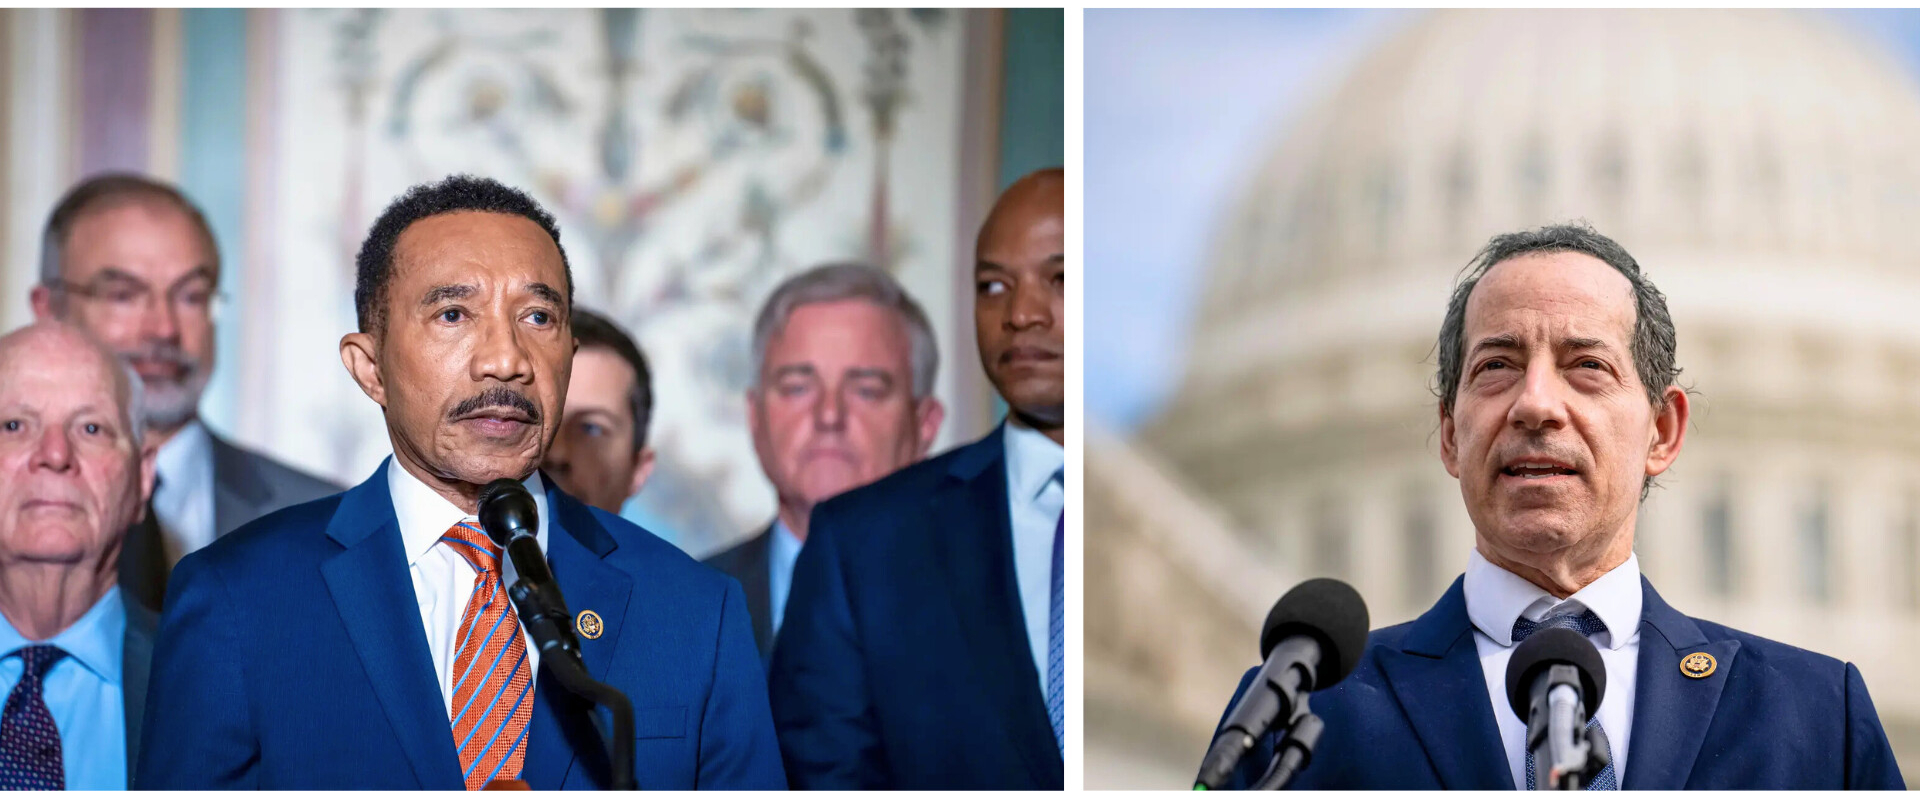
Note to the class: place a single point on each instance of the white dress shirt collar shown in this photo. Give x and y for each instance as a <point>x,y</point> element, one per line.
<point>425,516</point>
<point>1497,598</point>
<point>1033,461</point>
<point>185,456</point>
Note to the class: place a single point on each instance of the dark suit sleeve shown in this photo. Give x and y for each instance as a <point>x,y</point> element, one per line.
<point>818,683</point>
<point>198,733</point>
<point>1870,762</point>
<point>737,746</point>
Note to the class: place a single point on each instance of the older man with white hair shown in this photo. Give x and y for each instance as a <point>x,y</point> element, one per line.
<point>74,475</point>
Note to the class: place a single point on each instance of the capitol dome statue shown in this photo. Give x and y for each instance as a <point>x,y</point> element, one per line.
<point>1764,169</point>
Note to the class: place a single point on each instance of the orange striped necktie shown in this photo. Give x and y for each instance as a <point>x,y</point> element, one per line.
<point>492,678</point>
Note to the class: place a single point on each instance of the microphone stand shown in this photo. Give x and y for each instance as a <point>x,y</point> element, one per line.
<point>1295,750</point>
<point>544,614</point>
<point>1563,762</point>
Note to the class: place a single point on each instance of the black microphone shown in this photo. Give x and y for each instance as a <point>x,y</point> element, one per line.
<point>1311,640</point>
<point>1555,682</point>
<point>511,520</point>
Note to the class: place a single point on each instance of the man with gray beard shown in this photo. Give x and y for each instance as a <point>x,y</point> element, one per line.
<point>133,262</point>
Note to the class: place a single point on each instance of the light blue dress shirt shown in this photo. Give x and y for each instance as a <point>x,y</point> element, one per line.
<point>83,692</point>
<point>781,553</point>
<point>1035,496</point>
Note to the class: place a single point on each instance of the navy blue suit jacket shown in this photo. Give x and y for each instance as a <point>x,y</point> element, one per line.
<point>1415,714</point>
<point>902,661</point>
<point>291,656</point>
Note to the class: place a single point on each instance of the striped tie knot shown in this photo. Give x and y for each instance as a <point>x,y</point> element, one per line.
<point>474,545</point>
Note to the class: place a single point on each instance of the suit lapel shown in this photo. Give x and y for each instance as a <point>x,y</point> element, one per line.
<point>560,733</point>
<point>1436,676</point>
<point>757,564</point>
<point>1671,712</point>
<point>973,538</point>
<point>239,494</point>
<point>136,665</point>
<point>369,584</point>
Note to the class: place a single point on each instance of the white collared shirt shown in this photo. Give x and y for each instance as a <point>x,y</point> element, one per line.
<point>442,579</point>
<point>1497,598</point>
<point>183,500</point>
<point>1035,496</point>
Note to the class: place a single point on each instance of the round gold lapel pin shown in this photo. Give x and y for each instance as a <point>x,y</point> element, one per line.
<point>1697,665</point>
<point>589,625</point>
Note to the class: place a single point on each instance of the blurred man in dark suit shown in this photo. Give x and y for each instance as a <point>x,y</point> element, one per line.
<point>924,640</point>
<point>600,454</point>
<point>74,475</point>
<point>1559,406</point>
<point>133,262</point>
<point>843,395</point>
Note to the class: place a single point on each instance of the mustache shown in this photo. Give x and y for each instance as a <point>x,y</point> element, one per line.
<point>165,352</point>
<point>495,397</point>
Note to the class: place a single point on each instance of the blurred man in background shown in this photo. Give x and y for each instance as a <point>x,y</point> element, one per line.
<point>843,396</point>
<point>1559,406</point>
<point>924,638</point>
<point>600,454</point>
<point>133,262</point>
<point>74,475</point>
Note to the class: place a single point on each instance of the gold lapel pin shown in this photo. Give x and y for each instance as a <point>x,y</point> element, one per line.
<point>589,625</point>
<point>1697,665</point>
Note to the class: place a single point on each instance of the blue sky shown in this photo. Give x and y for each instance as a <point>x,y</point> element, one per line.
<point>1176,101</point>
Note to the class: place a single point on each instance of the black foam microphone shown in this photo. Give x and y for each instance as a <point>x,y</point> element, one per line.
<point>511,520</point>
<point>1312,639</point>
<point>1555,682</point>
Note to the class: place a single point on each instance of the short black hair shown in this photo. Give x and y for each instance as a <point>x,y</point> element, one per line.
<point>455,193</point>
<point>594,330</point>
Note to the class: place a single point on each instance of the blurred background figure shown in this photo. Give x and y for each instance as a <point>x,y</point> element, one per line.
<point>600,455</point>
<point>75,471</point>
<point>844,397</point>
<point>1246,432</point>
<point>694,159</point>
<point>970,543</point>
<point>133,262</point>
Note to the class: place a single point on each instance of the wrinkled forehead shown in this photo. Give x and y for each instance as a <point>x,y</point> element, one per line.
<point>52,371</point>
<point>1558,294</point>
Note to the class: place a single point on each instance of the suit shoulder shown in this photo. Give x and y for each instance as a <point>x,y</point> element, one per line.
<point>729,559</point>
<point>270,536</point>
<point>640,548</point>
<point>1779,657</point>
<point>288,481</point>
<point>908,485</point>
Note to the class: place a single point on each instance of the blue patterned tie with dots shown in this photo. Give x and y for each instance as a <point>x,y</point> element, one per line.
<point>1057,639</point>
<point>29,743</point>
<point>1588,624</point>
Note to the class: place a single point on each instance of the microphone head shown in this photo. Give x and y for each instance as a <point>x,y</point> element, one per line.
<point>506,507</point>
<point>1329,611</point>
<point>1556,646</point>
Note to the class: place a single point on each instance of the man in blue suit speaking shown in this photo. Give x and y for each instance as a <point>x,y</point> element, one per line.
<point>1558,408</point>
<point>306,650</point>
<point>922,644</point>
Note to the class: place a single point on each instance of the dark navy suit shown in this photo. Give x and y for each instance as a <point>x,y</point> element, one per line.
<point>903,660</point>
<point>1415,714</point>
<point>292,656</point>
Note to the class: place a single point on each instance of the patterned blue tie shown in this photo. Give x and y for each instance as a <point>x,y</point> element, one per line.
<point>1057,639</point>
<point>1588,624</point>
<point>29,743</point>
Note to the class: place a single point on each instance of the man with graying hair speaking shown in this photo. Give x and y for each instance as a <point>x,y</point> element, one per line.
<point>74,474</point>
<point>1558,407</point>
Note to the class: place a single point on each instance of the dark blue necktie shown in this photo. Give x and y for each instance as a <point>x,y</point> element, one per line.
<point>29,743</point>
<point>1587,624</point>
<point>1057,639</point>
